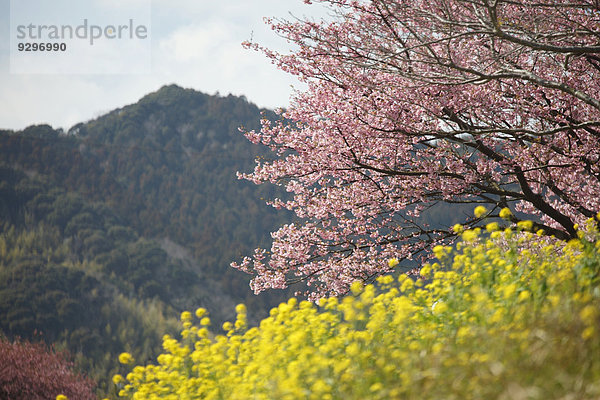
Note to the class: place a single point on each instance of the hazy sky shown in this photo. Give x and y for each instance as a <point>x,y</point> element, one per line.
<point>194,43</point>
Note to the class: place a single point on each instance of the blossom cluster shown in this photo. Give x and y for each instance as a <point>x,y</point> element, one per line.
<point>502,314</point>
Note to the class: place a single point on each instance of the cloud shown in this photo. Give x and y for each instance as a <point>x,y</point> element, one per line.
<point>64,100</point>
<point>210,56</point>
<point>195,44</point>
<point>192,42</point>
<point>122,3</point>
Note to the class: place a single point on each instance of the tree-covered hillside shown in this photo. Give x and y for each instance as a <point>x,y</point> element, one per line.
<point>112,228</point>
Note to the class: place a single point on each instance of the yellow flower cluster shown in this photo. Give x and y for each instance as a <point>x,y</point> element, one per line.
<point>501,315</point>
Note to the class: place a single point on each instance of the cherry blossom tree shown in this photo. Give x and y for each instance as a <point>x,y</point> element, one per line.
<point>32,371</point>
<point>415,102</point>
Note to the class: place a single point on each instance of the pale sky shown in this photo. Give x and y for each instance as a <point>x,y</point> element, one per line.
<point>194,43</point>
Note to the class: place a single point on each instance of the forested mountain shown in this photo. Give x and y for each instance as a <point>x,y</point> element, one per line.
<point>111,229</point>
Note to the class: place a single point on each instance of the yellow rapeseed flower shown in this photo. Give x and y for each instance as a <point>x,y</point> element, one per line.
<point>186,316</point>
<point>240,309</point>
<point>227,326</point>
<point>479,211</point>
<point>200,312</point>
<point>524,295</point>
<point>469,236</point>
<point>492,307</point>
<point>588,332</point>
<point>525,225</point>
<point>356,287</point>
<point>492,227</point>
<point>505,213</point>
<point>125,358</point>
<point>438,251</point>
<point>117,378</point>
<point>589,314</point>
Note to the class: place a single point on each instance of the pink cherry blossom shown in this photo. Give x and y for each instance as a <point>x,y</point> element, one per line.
<point>412,103</point>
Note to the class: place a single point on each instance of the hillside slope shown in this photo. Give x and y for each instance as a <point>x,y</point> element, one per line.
<point>107,231</point>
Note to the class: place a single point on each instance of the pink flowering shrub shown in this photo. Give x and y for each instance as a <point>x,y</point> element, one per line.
<point>31,371</point>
